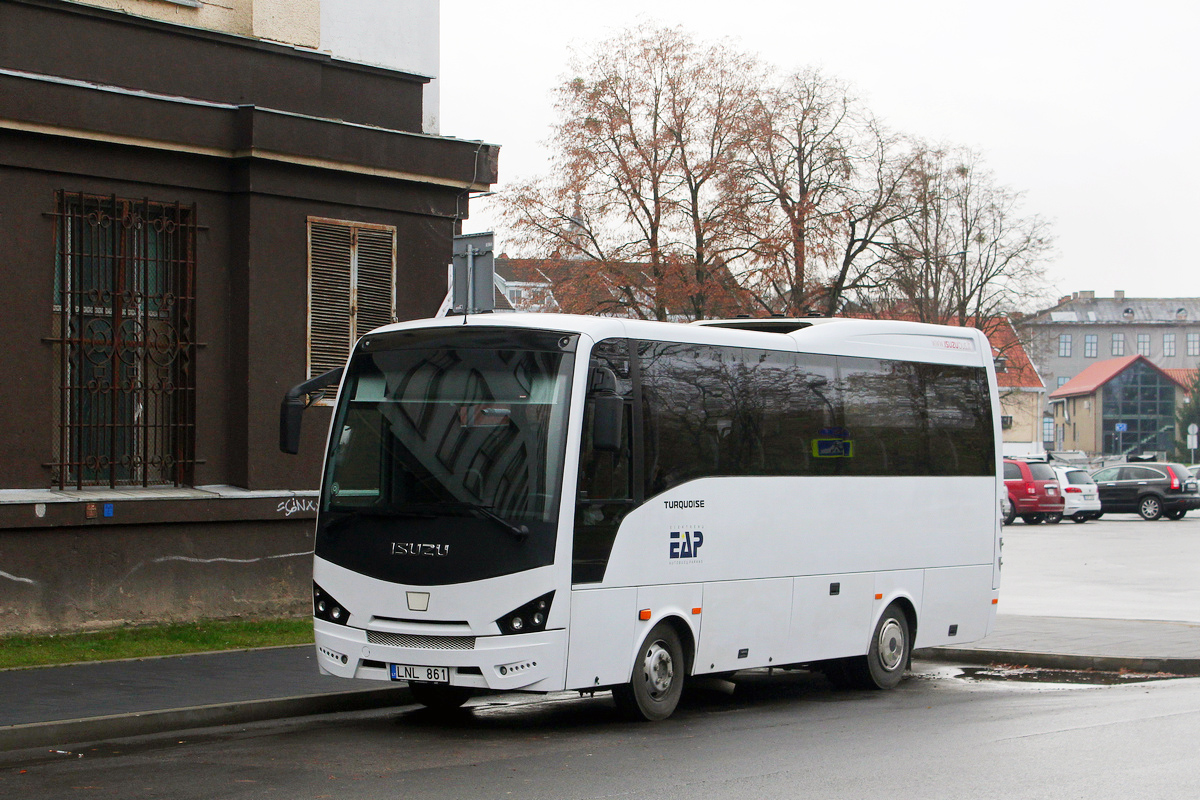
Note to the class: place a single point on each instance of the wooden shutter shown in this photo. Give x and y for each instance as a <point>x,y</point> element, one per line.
<point>351,287</point>
<point>329,261</point>
<point>375,279</point>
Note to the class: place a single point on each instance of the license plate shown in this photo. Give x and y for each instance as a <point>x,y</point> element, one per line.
<point>411,672</point>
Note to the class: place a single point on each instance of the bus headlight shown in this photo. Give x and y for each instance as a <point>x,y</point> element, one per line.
<point>328,609</point>
<point>529,618</point>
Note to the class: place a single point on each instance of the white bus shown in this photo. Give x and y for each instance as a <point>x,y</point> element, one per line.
<point>534,502</point>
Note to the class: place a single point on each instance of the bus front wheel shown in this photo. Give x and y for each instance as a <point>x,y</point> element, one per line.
<point>658,671</point>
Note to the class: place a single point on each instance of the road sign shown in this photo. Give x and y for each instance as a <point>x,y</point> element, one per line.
<point>1193,429</point>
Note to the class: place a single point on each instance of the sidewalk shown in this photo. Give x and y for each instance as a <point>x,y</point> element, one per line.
<point>84,702</point>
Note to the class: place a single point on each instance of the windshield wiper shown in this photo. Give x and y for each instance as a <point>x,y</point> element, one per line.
<point>519,532</point>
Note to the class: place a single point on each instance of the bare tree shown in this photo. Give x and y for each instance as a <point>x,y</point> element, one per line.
<point>825,176</point>
<point>643,176</point>
<point>963,251</point>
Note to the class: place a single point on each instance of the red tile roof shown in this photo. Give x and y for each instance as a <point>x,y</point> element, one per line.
<point>1100,373</point>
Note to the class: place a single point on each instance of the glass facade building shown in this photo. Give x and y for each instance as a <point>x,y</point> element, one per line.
<point>1138,411</point>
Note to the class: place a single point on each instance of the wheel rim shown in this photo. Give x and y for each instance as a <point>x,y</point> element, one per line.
<point>891,645</point>
<point>658,669</point>
<point>1149,506</point>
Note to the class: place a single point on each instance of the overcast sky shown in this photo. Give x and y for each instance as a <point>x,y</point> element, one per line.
<point>1091,109</point>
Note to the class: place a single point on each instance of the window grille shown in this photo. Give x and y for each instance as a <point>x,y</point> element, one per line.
<point>124,331</point>
<point>351,287</point>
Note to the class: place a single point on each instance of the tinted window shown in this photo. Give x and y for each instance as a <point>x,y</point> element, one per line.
<point>1078,477</point>
<point>1109,474</point>
<point>1042,472</point>
<point>1011,471</point>
<point>735,411</point>
<point>916,419</point>
<point>1141,474</point>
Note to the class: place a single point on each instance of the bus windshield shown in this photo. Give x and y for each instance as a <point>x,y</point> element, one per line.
<point>446,456</point>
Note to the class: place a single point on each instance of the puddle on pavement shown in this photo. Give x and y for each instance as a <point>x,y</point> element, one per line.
<point>1060,676</point>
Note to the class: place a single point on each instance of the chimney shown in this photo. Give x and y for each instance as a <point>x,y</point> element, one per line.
<point>1118,295</point>
<point>1087,295</point>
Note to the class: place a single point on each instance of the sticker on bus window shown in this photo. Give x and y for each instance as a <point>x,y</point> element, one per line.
<point>833,448</point>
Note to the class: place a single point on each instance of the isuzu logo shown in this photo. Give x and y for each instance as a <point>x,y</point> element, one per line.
<point>420,549</point>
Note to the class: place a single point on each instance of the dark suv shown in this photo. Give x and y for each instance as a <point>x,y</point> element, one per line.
<point>1033,491</point>
<point>1151,489</point>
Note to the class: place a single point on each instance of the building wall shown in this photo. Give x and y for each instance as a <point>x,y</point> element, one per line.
<point>1080,422</point>
<point>1045,349</point>
<point>97,576</point>
<point>259,137</point>
<point>1025,435</point>
<point>399,34</point>
<point>295,22</point>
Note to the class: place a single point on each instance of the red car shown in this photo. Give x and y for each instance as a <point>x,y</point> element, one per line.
<point>1033,492</point>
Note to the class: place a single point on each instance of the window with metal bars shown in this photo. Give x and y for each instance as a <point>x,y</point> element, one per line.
<point>351,287</point>
<point>124,330</point>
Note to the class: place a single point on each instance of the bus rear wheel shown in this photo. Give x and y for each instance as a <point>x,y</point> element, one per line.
<point>438,697</point>
<point>658,672</point>
<point>884,664</point>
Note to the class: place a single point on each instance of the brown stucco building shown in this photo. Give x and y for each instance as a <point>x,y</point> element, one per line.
<point>190,223</point>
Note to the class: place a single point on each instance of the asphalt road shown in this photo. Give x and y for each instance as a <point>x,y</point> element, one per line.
<point>780,736</point>
<point>1117,567</point>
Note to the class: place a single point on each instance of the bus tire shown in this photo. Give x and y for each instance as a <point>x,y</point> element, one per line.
<point>884,664</point>
<point>438,697</point>
<point>658,673</point>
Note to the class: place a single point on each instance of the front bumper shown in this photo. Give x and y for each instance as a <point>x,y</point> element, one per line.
<point>531,661</point>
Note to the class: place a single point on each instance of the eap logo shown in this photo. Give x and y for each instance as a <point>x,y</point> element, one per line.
<point>686,544</point>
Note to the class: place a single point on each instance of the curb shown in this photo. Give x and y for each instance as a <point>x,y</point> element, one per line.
<point>116,726</point>
<point>1176,666</point>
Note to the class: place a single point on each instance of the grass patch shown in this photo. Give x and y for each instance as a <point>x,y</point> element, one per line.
<point>152,640</point>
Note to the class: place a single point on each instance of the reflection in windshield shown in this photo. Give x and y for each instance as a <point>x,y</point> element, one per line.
<point>456,430</point>
<point>452,437</point>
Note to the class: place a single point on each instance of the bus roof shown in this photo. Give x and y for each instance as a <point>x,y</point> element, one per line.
<point>870,338</point>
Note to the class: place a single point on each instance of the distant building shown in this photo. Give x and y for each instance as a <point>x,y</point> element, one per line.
<point>1081,330</point>
<point>1119,406</point>
<point>203,205</point>
<point>1022,392</point>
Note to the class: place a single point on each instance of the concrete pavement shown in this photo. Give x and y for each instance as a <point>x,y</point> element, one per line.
<point>85,702</point>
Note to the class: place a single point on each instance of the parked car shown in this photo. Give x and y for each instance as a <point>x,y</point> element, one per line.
<point>1033,491</point>
<point>1152,489</point>
<point>1081,498</point>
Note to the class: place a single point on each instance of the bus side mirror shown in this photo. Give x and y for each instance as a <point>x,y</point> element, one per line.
<point>291,410</point>
<point>608,415</point>
<point>608,411</point>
